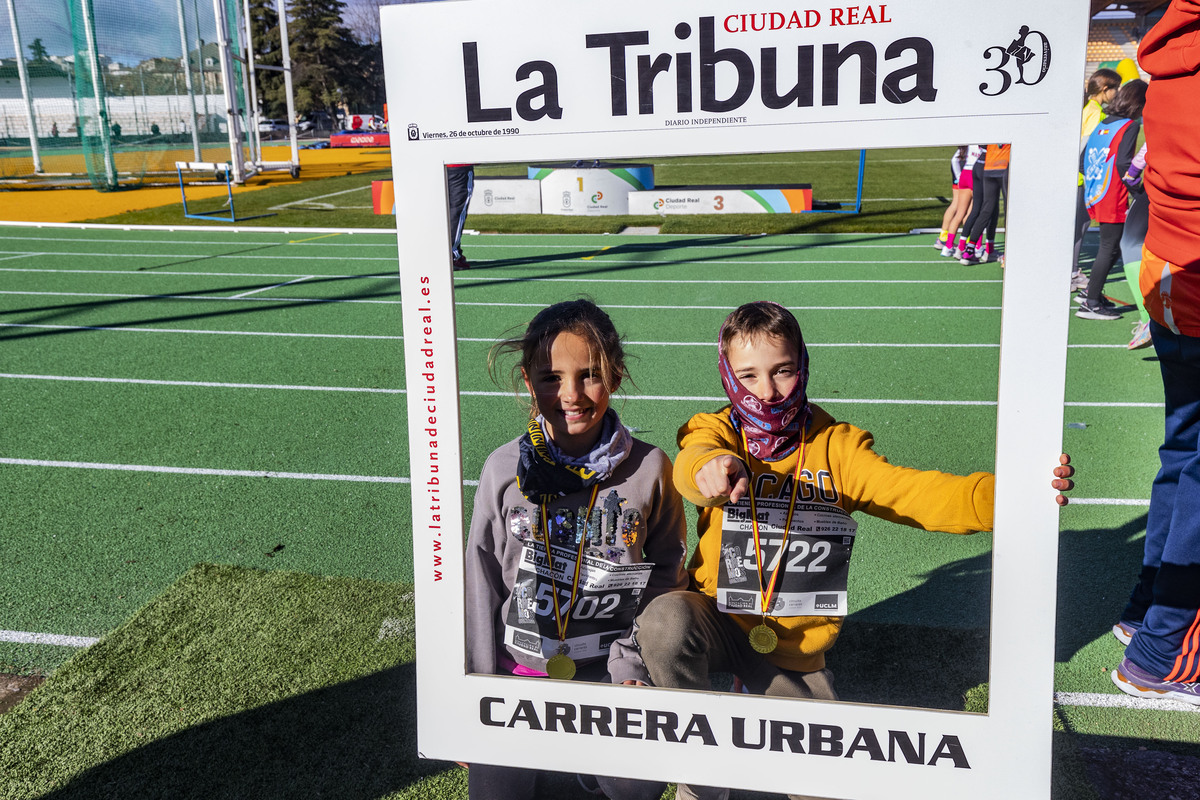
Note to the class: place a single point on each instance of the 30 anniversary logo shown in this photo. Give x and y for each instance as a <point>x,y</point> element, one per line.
<point>1014,65</point>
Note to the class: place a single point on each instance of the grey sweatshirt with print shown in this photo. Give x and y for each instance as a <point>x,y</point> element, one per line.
<point>642,482</point>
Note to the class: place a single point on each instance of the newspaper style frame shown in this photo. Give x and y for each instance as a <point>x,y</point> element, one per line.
<point>499,81</point>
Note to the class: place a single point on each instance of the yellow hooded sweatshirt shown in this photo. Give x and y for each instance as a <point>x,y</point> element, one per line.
<point>839,468</point>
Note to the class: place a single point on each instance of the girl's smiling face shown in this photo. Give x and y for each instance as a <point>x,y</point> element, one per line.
<point>568,391</point>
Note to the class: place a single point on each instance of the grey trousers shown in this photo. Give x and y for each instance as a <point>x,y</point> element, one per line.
<point>683,637</point>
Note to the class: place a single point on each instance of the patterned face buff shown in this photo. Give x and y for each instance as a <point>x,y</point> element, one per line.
<point>772,430</point>
<point>540,477</point>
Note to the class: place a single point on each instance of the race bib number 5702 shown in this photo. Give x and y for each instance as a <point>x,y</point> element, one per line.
<point>813,559</point>
<point>603,609</point>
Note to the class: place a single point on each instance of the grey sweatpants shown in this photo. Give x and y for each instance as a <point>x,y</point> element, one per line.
<point>683,637</point>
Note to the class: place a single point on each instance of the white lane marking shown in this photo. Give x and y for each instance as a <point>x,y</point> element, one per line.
<point>234,473</point>
<point>23,637</point>
<point>211,243</point>
<point>188,229</point>
<point>1093,700</point>
<point>267,288</point>
<point>849,160</point>
<point>319,197</point>
<point>1115,405</point>
<point>228,473</point>
<point>140,273</point>
<point>397,628</point>
<point>610,259</point>
<point>470,393</point>
<point>200,331</point>
<point>731,307</point>
<point>247,296</point>
<point>659,243</point>
<point>466,279</point>
<point>318,476</point>
<point>201,384</point>
<point>389,277</point>
<point>247,256</point>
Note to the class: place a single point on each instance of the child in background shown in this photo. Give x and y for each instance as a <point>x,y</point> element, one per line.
<point>1105,160</point>
<point>1101,88</point>
<point>962,164</point>
<point>578,486</point>
<point>762,470</point>
<point>981,234</point>
<point>1137,219</point>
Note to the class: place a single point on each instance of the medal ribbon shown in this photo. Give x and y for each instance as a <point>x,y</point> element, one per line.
<point>767,593</point>
<point>559,623</point>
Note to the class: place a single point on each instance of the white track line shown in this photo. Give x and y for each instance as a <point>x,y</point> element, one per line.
<point>1109,501</point>
<point>191,229</point>
<point>471,393</point>
<point>665,243</point>
<point>390,277</point>
<point>680,241</point>
<point>228,473</point>
<point>614,258</point>
<point>144,273</point>
<point>318,476</point>
<point>248,296</point>
<point>200,331</point>
<point>22,637</point>
<point>247,256</point>
<point>484,340</point>
<point>732,307</point>
<point>203,384</point>
<point>210,243</point>
<point>467,279</point>
<point>1092,700</point>
<point>267,288</point>
<point>319,197</point>
<point>234,473</point>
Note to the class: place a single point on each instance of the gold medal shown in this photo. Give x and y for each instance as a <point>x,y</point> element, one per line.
<point>562,668</point>
<point>763,639</point>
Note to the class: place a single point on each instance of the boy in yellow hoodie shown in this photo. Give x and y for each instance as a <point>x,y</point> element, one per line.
<point>776,479</point>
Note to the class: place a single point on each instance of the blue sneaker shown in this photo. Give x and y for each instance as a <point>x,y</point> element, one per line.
<point>1133,680</point>
<point>1124,630</point>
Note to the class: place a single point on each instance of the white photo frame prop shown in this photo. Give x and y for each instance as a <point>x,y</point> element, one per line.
<point>499,81</point>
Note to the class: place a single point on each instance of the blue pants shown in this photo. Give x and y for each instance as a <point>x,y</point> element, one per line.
<point>460,182</point>
<point>1168,644</point>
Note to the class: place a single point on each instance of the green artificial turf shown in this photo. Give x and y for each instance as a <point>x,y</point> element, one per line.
<point>910,183</point>
<point>85,549</point>
<point>234,683</point>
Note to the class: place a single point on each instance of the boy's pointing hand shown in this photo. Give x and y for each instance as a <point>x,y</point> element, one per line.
<point>723,476</point>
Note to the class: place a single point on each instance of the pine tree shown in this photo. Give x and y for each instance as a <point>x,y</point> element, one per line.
<point>327,68</point>
<point>38,50</point>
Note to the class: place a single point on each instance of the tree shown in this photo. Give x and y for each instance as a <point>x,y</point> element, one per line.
<point>38,50</point>
<point>265,40</point>
<point>363,18</point>
<point>327,63</point>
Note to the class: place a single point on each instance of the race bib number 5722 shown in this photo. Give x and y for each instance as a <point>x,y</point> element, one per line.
<point>813,559</point>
